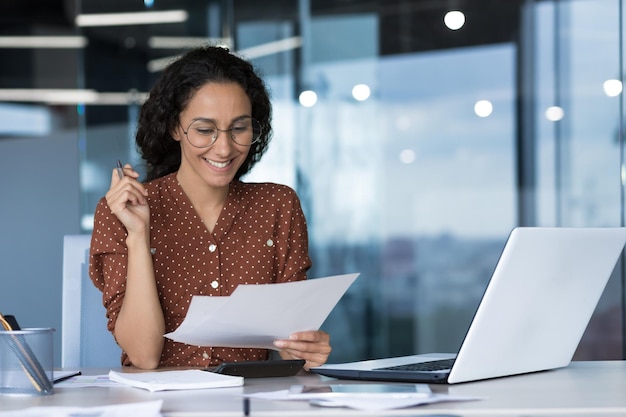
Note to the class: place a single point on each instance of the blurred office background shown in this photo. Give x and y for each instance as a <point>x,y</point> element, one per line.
<point>416,139</point>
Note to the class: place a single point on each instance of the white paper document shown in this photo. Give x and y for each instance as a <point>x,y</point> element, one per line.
<point>253,316</point>
<point>380,404</point>
<point>377,402</point>
<point>82,381</point>
<point>175,380</point>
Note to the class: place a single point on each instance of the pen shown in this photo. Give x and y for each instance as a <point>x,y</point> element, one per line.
<point>5,324</point>
<point>246,406</point>
<point>65,377</point>
<point>12,322</point>
<point>120,169</point>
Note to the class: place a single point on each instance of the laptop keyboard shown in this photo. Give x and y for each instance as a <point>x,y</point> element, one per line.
<point>422,366</point>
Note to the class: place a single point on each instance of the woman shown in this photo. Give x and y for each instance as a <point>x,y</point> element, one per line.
<point>193,228</point>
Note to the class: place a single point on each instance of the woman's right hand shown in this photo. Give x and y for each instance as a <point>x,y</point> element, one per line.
<point>127,199</point>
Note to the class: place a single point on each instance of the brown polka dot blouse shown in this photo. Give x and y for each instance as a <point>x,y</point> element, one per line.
<point>260,237</point>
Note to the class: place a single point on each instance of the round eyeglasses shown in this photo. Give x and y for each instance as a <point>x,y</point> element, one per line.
<point>202,133</point>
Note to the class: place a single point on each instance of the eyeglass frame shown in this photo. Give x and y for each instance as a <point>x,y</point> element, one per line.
<point>216,135</point>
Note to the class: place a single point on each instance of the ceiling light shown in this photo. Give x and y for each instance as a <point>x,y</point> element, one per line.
<point>258,51</point>
<point>52,96</point>
<point>361,92</point>
<point>307,98</point>
<point>483,108</point>
<point>271,48</point>
<point>454,20</point>
<point>554,113</point>
<point>69,42</point>
<point>185,42</point>
<point>70,97</point>
<point>407,156</point>
<point>612,88</point>
<point>134,18</point>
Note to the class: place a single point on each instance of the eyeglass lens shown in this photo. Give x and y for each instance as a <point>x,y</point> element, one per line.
<point>203,133</point>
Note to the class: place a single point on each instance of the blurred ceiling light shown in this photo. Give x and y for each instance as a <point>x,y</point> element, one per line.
<point>407,156</point>
<point>361,92</point>
<point>69,97</point>
<point>454,20</point>
<point>42,42</point>
<point>120,99</point>
<point>271,48</point>
<point>483,108</point>
<point>184,42</point>
<point>51,96</point>
<point>307,98</point>
<point>258,51</point>
<point>612,88</point>
<point>133,18</point>
<point>554,113</point>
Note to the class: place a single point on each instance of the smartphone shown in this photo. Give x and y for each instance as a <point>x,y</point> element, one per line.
<point>368,390</point>
<point>260,369</point>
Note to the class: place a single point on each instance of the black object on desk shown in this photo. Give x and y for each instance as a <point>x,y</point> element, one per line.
<point>12,322</point>
<point>67,376</point>
<point>246,406</point>
<point>260,369</point>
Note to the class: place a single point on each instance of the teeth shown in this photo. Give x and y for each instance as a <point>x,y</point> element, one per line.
<point>218,164</point>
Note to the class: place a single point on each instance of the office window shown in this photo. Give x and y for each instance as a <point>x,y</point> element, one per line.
<point>415,141</point>
<point>579,140</point>
<point>407,153</point>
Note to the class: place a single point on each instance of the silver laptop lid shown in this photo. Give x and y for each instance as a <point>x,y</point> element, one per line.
<point>538,303</point>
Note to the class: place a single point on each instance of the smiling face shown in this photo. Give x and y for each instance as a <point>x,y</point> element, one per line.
<point>215,166</point>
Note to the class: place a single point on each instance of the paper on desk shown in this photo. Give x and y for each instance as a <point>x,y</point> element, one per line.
<point>379,404</point>
<point>360,402</point>
<point>175,380</point>
<point>141,409</point>
<point>83,381</point>
<point>253,316</point>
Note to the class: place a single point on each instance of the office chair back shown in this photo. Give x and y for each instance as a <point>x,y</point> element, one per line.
<point>86,342</point>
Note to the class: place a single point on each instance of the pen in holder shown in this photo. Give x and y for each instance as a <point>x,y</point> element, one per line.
<point>26,360</point>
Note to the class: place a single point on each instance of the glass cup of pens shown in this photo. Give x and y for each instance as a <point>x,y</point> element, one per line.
<point>26,361</point>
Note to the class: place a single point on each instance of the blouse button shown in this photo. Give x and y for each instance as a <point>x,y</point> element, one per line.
<point>212,248</point>
<point>270,242</point>
<point>205,355</point>
<point>215,284</point>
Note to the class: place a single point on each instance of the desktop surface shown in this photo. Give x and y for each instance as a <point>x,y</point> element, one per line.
<point>581,389</point>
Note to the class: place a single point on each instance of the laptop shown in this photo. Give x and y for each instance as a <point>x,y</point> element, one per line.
<point>536,307</point>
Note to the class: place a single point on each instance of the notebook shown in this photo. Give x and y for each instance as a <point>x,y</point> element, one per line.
<point>532,315</point>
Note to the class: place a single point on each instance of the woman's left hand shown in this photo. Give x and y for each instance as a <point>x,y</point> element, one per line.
<point>312,346</point>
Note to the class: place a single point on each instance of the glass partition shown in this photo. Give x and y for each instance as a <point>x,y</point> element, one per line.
<point>406,142</point>
<point>579,139</point>
<point>416,139</point>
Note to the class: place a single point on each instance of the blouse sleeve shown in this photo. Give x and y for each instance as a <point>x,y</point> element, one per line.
<point>108,260</point>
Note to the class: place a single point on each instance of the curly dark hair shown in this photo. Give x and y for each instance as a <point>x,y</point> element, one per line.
<point>175,89</point>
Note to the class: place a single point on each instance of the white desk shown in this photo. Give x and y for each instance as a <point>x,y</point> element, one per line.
<point>582,389</point>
